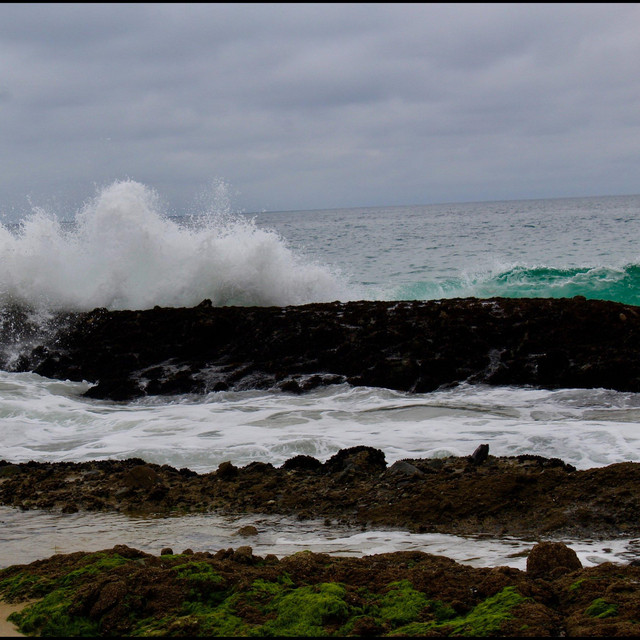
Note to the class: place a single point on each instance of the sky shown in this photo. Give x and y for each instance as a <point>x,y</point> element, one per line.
<point>316,106</point>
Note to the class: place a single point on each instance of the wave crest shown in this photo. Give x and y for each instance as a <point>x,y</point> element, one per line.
<point>618,284</point>
<point>122,253</point>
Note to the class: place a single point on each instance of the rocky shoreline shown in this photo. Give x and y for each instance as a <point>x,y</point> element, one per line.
<point>126,592</point>
<point>522,496</point>
<point>410,346</point>
<point>414,346</point>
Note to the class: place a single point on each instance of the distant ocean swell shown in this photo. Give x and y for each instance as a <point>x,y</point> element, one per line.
<point>602,283</point>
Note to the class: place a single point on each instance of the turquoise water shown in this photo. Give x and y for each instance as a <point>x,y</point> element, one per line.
<point>529,248</point>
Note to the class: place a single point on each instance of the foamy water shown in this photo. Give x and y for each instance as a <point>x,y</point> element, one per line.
<point>44,419</point>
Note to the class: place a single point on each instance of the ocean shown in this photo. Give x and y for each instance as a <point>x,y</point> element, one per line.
<point>124,250</point>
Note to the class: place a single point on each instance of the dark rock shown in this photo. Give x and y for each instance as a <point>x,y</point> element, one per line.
<point>480,454</point>
<point>302,463</point>
<point>243,555</point>
<point>227,470</point>
<point>403,468</point>
<point>167,551</point>
<point>551,559</point>
<point>413,346</point>
<point>362,459</point>
<point>9,470</point>
<point>141,477</point>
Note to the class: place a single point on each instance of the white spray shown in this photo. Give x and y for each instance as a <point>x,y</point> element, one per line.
<point>122,253</point>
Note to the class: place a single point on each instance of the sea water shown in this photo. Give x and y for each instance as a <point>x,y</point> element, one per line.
<point>122,250</point>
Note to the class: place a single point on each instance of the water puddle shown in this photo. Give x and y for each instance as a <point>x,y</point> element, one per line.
<point>26,536</point>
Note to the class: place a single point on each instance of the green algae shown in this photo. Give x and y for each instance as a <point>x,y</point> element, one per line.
<point>213,606</point>
<point>484,619</point>
<point>24,586</point>
<point>600,608</point>
<point>402,603</point>
<point>96,563</point>
<point>50,617</point>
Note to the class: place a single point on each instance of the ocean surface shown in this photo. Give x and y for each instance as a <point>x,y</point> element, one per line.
<point>123,250</point>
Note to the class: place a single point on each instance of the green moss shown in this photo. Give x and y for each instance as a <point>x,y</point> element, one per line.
<point>487,616</point>
<point>483,620</point>
<point>304,611</point>
<point>24,586</point>
<point>402,603</point>
<point>50,617</point>
<point>600,608</point>
<point>576,585</point>
<point>96,563</point>
<point>205,584</point>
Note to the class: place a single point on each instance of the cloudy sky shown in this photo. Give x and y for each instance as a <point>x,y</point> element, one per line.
<point>302,106</point>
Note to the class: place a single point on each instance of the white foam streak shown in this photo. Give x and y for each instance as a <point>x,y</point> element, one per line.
<point>123,254</point>
<point>48,420</point>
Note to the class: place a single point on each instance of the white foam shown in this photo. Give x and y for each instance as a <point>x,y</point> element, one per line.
<point>44,419</point>
<point>122,253</point>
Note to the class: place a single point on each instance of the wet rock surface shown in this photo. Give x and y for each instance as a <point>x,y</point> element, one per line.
<point>524,495</point>
<point>126,592</point>
<point>413,346</point>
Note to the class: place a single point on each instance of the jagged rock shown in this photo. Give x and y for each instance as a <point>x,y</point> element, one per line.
<point>142,477</point>
<point>480,454</point>
<point>227,470</point>
<point>413,346</point>
<point>247,531</point>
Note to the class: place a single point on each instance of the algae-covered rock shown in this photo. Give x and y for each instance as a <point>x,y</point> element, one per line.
<point>125,592</point>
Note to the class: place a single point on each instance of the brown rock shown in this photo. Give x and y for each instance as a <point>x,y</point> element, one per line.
<point>141,477</point>
<point>227,470</point>
<point>247,531</point>
<point>551,559</point>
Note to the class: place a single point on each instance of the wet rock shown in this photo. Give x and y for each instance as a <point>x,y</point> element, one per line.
<point>403,468</point>
<point>551,559</point>
<point>247,531</point>
<point>302,463</point>
<point>7,470</point>
<point>480,454</point>
<point>243,555</point>
<point>141,477</point>
<point>227,470</point>
<point>167,551</point>
<point>411,346</point>
<point>361,459</point>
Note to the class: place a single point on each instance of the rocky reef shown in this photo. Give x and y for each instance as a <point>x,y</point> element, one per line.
<point>412,346</point>
<point>126,592</point>
<point>524,495</point>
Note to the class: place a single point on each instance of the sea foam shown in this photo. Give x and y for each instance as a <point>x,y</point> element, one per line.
<point>123,253</point>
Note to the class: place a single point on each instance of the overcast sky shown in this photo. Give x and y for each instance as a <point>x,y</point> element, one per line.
<point>302,106</point>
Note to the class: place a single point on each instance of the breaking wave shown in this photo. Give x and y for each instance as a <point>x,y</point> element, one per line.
<point>121,252</point>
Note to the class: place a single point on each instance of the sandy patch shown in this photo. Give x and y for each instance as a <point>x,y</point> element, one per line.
<point>8,629</point>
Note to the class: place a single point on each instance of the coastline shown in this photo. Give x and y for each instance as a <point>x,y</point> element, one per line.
<point>521,496</point>
<point>406,346</point>
<point>125,592</point>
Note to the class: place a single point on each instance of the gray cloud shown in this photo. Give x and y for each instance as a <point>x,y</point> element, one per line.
<point>312,106</point>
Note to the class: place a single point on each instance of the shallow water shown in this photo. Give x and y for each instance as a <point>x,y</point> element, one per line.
<point>33,535</point>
